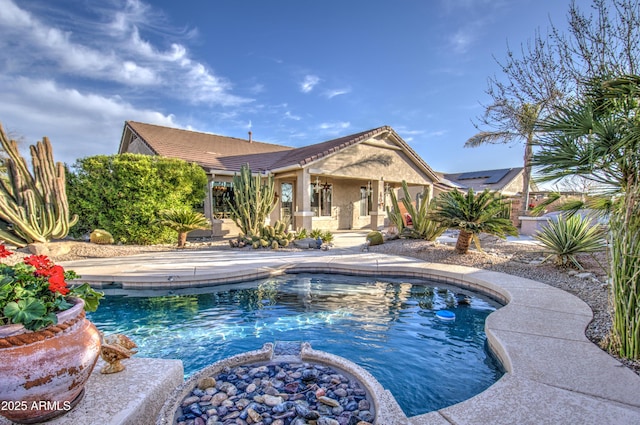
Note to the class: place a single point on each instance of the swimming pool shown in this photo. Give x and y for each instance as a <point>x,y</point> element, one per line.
<point>388,326</point>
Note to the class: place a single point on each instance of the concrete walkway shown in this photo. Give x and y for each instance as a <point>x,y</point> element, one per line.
<point>555,375</point>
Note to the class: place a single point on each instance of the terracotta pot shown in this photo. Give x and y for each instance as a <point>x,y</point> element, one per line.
<point>43,373</point>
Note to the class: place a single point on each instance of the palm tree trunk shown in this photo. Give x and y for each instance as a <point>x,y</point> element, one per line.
<point>463,242</point>
<point>182,239</point>
<point>526,175</point>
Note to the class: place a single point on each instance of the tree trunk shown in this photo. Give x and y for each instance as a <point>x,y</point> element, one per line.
<point>182,239</point>
<point>526,175</point>
<point>463,242</point>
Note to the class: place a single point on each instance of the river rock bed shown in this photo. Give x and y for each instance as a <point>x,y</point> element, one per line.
<point>277,394</point>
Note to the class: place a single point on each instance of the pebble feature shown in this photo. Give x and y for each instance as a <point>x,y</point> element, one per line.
<point>280,393</point>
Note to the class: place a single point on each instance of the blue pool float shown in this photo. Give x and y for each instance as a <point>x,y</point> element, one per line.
<point>446,315</point>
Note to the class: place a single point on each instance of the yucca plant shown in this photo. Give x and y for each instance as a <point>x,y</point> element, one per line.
<point>183,220</point>
<point>567,237</point>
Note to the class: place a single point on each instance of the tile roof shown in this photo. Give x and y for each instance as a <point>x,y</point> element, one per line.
<point>229,153</point>
<point>205,149</point>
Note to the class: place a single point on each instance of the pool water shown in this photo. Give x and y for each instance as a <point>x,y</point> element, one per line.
<point>388,327</point>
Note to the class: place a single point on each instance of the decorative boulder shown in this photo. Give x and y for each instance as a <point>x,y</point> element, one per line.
<point>101,237</point>
<point>305,243</point>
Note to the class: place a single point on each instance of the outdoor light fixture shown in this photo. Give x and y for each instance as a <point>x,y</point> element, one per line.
<point>317,185</point>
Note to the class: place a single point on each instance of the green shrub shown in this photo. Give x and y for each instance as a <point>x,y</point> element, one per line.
<point>325,235</point>
<point>124,193</point>
<point>565,238</point>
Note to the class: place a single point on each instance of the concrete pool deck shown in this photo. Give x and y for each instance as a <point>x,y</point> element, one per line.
<point>555,375</point>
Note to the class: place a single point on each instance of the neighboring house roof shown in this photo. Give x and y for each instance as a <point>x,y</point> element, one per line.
<point>494,180</point>
<point>229,153</point>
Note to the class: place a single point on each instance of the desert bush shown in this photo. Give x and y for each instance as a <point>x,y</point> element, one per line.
<point>564,238</point>
<point>124,193</point>
<point>325,235</point>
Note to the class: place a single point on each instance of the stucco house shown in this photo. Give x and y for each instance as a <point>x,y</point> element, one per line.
<point>341,183</point>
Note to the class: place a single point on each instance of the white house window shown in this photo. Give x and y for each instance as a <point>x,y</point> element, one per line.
<point>221,195</point>
<point>321,199</point>
<point>365,201</point>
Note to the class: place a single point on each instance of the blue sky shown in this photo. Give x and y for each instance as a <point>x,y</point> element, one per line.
<point>295,72</point>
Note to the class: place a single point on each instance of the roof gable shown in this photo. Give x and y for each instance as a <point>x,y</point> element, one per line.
<point>305,156</point>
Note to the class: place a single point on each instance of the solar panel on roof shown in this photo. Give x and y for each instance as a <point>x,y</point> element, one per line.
<point>474,175</point>
<point>492,176</point>
<point>497,176</point>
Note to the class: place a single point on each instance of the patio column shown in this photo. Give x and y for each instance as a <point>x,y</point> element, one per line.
<point>377,212</point>
<point>303,214</point>
<point>208,205</point>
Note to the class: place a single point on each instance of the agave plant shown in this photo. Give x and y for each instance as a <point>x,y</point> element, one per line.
<point>567,237</point>
<point>423,227</point>
<point>183,220</point>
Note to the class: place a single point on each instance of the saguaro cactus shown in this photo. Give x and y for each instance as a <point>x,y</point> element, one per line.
<point>33,207</point>
<point>253,201</point>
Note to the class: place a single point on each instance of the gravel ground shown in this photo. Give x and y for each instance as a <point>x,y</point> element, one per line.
<point>514,258</point>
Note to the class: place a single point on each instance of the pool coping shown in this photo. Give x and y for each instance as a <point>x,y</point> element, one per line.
<point>554,374</point>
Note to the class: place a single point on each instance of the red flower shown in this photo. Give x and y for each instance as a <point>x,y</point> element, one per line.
<point>40,262</point>
<point>4,252</point>
<point>56,280</point>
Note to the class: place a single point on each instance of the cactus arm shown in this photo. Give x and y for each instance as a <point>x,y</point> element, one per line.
<point>12,238</point>
<point>36,205</point>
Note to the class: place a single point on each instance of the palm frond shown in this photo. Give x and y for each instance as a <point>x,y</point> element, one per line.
<point>491,137</point>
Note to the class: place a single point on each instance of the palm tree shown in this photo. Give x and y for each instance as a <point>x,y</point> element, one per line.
<point>515,123</point>
<point>472,214</point>
<point>183,220</point>
<point>598,138</point>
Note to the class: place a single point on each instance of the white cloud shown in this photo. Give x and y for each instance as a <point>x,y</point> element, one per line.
<point>309,82</point>
<point>257,88</point>
<point>333,128</point>
<point>113,53</point>
<point>461,40</point>
<point>289,115</point>
<point>329,94</point>
<point>437,133</point>
<point>79,124</point>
